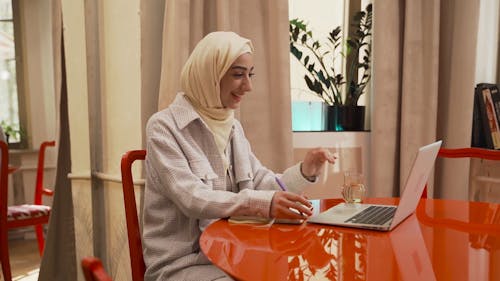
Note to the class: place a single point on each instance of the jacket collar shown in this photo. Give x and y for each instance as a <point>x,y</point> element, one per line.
<point>183,112</point>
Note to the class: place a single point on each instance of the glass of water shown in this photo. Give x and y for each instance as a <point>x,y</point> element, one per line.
<point>353,190</point>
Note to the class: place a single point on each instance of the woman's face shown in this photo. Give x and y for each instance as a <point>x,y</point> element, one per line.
<point>237,81</point>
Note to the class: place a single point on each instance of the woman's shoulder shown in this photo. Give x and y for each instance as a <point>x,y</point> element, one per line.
<point>160,121</point>
<point>162,116</point>
<point>177,115</point>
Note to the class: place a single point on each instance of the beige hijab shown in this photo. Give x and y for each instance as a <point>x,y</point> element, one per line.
<point>200,80</point>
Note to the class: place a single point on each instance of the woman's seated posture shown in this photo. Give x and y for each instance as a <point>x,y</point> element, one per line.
<point>200,166</point>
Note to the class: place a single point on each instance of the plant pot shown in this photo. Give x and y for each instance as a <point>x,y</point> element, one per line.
<point>345,118</point>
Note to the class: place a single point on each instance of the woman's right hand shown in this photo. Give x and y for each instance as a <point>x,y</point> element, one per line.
<point>284,201</point>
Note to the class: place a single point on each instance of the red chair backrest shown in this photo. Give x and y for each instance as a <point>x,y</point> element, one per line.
<point>93,270</point>
<point>4,173</point>
<point>133,230</point>
<point>469,152</point>
<point>39,188</point>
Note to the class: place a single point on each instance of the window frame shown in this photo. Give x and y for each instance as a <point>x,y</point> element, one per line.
<point>20,81</point>
<point>350,8</point>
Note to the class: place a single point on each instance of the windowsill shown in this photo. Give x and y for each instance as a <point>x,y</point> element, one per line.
<point>18,151</point>
<point>364,131</point>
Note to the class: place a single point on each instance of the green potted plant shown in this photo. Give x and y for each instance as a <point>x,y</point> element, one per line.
<point>10,131</point>
<point>340,93</point>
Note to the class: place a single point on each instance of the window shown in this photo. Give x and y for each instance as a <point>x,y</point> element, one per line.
<point>321,18</point>
<point>9,94</point>
<point>307,108</point>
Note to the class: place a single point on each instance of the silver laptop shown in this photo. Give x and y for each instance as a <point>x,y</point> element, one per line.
<point>385,217</point>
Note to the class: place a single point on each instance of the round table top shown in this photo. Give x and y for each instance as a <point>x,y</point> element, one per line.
<point>443,240</point>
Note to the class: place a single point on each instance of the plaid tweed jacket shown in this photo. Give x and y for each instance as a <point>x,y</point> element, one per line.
<point>187,187</point>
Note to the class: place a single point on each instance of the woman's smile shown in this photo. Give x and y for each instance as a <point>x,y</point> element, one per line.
<point>237,81</point>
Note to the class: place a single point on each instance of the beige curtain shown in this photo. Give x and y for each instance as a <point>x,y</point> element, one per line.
<point>423,83</point>
<point>265,113</point>
<point>59,258</point>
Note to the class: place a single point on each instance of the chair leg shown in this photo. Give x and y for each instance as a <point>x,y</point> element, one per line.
<point>4,256</point>
<point>39,237</point>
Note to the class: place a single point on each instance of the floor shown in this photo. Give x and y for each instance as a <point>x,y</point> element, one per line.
<point>24,259</point>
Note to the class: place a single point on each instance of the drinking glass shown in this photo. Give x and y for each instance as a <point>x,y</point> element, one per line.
<point>353,190</point>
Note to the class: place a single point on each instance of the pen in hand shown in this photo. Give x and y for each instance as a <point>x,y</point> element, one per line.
<point>284,188</point>
<point>281,184</point>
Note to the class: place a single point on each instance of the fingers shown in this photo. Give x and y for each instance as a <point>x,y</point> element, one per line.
<point>303,209</point>
<point>315,160</point>
<point>286,213</point>
<point>325,155</point>
<point>299,200</point>
<point>290,205</point>
<point>330,157</point>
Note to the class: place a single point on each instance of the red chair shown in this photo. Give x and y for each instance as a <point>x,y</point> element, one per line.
<point>41,190</point>
<point>93,270</point>
<point>133,230</point>
<point>21,215</point>
<point>470,152</point>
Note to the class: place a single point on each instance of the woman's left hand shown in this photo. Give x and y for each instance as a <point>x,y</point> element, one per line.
<point>315,160</point>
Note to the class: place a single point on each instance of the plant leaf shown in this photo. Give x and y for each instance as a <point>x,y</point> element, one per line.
<point>304,38</point>
<point>310,68</point>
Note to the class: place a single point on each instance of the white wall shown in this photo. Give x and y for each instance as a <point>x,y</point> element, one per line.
<point>487,42</point>
<point>105,60</point>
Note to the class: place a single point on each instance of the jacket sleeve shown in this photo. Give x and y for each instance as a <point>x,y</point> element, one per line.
<point>263,178</point>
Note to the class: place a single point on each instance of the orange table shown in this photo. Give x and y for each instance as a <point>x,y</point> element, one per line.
<point>444,240</point>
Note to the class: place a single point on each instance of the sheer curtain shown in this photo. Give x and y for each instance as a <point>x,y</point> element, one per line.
<point>424,65</point>
<point>265,112</point>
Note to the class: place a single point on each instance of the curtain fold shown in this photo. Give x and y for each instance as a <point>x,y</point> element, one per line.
<point>419,93</point>
<point>388,26</point>
<point>59,258</point>
<point>424,65</point>
<point>265,112</point>
<point>457,71</point>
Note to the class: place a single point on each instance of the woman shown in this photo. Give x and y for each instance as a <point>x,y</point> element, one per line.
<point>199,165</point>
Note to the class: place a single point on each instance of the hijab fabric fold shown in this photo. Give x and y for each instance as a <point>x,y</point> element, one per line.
<point>200,81</point>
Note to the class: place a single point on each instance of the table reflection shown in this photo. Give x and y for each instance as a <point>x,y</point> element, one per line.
<point>323,253</point>
<point>436,243</point>
<point>295,252</point>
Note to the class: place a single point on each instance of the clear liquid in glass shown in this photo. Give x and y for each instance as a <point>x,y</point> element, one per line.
<point>353,190</point>
<point>354,193</point>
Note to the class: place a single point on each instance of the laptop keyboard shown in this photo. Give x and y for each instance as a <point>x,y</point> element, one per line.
<point>377,215</point>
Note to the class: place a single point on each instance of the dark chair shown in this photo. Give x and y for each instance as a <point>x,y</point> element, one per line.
<point>133,229</point>
<point>24,215</point>
<point>93,270</point>
<point>469,152</point>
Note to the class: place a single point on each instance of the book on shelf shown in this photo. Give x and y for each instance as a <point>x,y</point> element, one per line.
<point>478,136</point>
<point>492,118</point>
<point>495,96</point>
<point>487,118</point>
